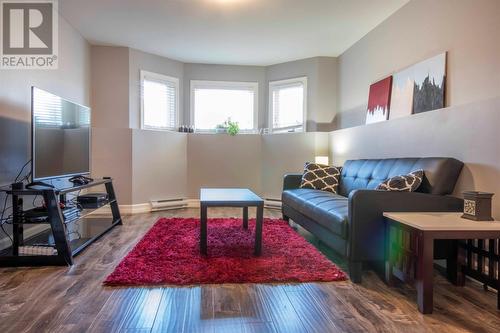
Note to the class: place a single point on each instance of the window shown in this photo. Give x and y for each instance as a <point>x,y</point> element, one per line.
<point>213,102</point>
<point>288,105</point>
<point>159,101</point>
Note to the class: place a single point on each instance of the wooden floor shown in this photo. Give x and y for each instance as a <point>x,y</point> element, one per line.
<point>74,300</point>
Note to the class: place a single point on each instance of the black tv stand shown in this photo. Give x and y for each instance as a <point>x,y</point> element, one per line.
<point>39,184</point>
<point>88,227</point>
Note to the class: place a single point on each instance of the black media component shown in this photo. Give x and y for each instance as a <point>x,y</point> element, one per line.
<point>92,200</point>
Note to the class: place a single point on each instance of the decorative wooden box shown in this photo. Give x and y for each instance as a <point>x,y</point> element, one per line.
<point>477,206</point>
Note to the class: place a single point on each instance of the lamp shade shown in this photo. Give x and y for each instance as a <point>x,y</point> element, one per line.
<point>321,160</point>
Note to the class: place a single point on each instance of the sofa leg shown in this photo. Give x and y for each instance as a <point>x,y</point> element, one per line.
<point>355,271</point>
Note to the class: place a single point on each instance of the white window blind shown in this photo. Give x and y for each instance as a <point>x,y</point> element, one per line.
<point>48,109</point>
<point>214,102</point>
<point>160,101</point>
<point>287,104</point>
<point>84,117</point>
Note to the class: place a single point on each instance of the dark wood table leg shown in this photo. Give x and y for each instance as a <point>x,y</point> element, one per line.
<point>245,217</point>
<point>258,230</point>
<point>425,267</point>
<point>460,277</point>
<point>203,231</point>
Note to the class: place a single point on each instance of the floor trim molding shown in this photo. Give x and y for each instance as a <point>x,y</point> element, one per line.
<point>143,208</point>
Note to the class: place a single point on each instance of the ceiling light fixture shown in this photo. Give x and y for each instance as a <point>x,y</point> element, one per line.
<point>228,2</point>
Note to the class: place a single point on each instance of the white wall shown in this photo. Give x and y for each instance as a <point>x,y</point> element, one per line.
<point>468,30</point>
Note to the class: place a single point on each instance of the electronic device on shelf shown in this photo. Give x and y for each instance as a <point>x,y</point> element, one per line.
<point>36,215</point>
<point>71,213</point>
<point>92,200</point>
<point>80,180</point>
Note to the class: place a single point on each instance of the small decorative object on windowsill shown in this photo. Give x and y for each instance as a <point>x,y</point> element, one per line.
<point>477,206</point>
<point>186,129</point>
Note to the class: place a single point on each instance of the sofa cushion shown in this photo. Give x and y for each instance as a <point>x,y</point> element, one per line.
<point>327,209</point>
<point>320,177</point>
<point>403,183</point>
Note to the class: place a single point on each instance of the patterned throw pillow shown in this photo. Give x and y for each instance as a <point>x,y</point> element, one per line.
<point>403,183</point>
<point>320,177</point>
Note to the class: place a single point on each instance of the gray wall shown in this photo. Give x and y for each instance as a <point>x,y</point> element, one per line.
<point>257,162</point>
<point>111,135</point>
<point>70,80</point>
<point>112,157</point>
<point>110,86</point>
<point>225,73</point>
<point>145,164</point>
<point>467,132</point>
<point>287,153</point>
<point>164,165</point>
<point>217,160</point>
<point>468,30</point>
<point>159,165</point>
<point>468,128</point>
<point>138,61</point>
<point>321,73</point>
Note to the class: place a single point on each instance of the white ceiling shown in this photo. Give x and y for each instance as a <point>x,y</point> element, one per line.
<point>243,32</point>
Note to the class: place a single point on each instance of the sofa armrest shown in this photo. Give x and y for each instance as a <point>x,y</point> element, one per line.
<point>292,181</point>
<point>366,222</point>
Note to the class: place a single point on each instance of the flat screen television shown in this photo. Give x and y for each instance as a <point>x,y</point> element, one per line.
<point>60,136</point>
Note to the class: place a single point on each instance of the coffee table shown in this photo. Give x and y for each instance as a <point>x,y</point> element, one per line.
<point>231,197</point>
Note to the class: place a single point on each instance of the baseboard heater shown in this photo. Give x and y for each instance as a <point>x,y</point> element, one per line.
<point>166,204</point>
<point>272,203</point>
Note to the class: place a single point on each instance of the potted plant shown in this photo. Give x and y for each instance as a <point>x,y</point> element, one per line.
<point>229,127</point>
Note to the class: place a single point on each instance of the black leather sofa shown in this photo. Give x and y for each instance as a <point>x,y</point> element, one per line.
<point>351,222</point>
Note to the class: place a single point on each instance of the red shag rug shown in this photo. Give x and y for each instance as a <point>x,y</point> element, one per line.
<point>169,254</point>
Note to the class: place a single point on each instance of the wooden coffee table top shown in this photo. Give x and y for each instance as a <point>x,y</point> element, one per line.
<point>442,222</point>
<point>229,196</point>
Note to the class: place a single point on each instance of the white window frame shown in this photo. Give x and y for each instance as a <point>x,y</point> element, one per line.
<point>283,84</point>
<point>162,78</point>
<point>254,86</point>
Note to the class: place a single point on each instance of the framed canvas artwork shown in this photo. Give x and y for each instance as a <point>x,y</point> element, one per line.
<point>402,93</point>
<point>430,79</point>
<point>379,100</point>
<point>419,88</point>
